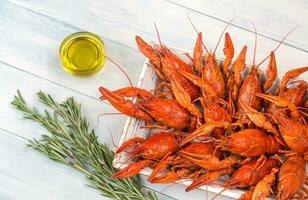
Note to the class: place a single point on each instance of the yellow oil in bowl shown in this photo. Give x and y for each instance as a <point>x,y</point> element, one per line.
<point>82,54</point>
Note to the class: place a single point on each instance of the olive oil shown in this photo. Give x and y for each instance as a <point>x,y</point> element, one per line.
<point>82,54</point>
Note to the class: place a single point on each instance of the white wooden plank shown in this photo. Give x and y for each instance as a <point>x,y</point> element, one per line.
<point>272,19</point>
<point>27,175</point>
<point>12,79</point>
<point>12,121</point>
<point>109,16</point>
<point>30,42</point>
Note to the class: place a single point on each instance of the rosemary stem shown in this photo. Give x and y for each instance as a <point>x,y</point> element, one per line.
<point>70,141</point>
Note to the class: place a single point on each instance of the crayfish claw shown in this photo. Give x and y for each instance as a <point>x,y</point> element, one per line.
<point>168,177</point>
<point>129,143</point>
<point>124,106</point>
<point>204,130</point>
<point>278,100</point>
<point>162,165</point>
<point>208,178</point>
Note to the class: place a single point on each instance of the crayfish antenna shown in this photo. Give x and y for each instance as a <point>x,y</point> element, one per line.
<point>255,47</point>
<point>222,33</point>
<point>174,184</point>
<point>280,43</point>
<point>218,194</point>
<point>129,80</point>
<point>121,68</point>
<point>169,186</point>
<point>100,115</point>
<point>112,139</point>
<point>158,36</point>
<point>196,32</point>
<point>191,23</point>
<point>128,159</point>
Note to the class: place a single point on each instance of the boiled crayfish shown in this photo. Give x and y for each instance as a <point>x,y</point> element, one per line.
<point>148,151</point>
<point>219,122</point>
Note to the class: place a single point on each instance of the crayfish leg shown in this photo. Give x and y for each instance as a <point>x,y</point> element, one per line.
<point>210,163</point>
<point>155,126</point>
<point>207,178</point>
<point>157,70</point>
<point>132,169</point>
<point>162,165</point>
<point>260,162</point>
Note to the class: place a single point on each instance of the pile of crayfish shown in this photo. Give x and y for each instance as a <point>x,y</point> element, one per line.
<point>214,125</point>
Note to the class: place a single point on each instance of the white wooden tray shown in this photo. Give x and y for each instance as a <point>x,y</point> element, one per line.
<point>148,80</point>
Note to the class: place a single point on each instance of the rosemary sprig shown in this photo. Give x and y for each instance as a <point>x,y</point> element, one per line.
<point>72,142</point>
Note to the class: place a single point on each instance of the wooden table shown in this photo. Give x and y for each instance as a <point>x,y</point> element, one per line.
<point>30,34</point>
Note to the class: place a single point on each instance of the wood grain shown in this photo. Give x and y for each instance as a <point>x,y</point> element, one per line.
<point>174,27</point>
<point>11,120</point>
<point>271,18</point>
<point>30,42</point>
<point>32,30</point>
<point>28,175</point>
